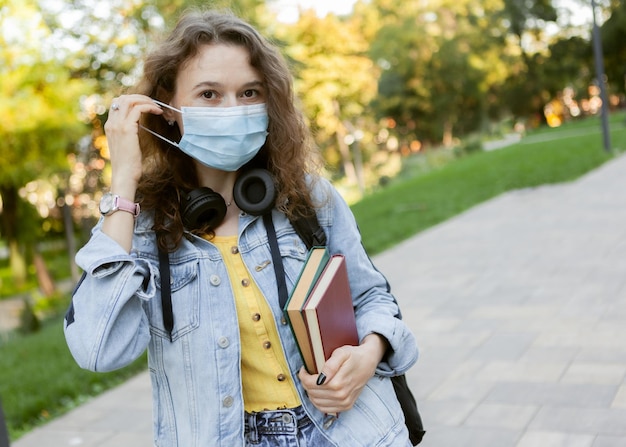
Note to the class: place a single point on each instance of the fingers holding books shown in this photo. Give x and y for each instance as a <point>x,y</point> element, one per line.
<point>338,386</point>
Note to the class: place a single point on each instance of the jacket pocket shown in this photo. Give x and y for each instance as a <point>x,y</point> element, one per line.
<point>185,294</point>
<point>376,413</point>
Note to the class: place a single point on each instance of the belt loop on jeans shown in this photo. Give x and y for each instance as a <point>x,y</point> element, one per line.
<point>253,433</point>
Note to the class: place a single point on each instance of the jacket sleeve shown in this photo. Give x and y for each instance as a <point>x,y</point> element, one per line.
<point>106,326</point>
<point>376,308</point>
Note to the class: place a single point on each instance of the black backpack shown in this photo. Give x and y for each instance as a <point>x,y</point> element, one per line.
<point>312,234</point>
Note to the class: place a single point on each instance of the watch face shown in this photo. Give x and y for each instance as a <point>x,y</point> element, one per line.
<point>106,203</point>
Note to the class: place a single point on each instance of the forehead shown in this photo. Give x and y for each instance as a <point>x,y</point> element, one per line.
<point>218,63</point>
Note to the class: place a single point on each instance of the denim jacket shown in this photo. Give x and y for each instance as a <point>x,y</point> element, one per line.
<point>196,377</point>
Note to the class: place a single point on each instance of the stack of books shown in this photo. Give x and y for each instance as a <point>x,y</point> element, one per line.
<point>320,310</point>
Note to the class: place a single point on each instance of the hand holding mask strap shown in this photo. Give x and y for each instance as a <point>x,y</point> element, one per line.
<point>254,193</point>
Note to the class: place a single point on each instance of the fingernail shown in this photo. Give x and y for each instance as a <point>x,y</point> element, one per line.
<point>321,379</point>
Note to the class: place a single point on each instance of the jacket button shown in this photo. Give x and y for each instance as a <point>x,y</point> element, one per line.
<point>267,345</point>
<point>283,321</point>
<point>281,377</point>
<point>223,342</point>
<point>245,282</point>
<point>228,401</point>
<point>234,250</point>
<point>256,317</point>
<point>215,280</point>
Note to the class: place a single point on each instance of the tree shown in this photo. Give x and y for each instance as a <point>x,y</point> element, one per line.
<point>442,66</point>
<point>335,81</point>
<point>528,16</point>
<point>570,63</point>
<point>613,33</point>
<point>526,21</point>
<point>39,103</point>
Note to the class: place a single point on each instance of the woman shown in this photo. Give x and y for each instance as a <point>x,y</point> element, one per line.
<point>215,101</point>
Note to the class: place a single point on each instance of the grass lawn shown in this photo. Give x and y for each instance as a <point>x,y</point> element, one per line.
<point>39,380</point>
<point>546,156</point>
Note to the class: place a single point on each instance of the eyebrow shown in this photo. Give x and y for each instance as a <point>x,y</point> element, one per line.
<point>219,84</point>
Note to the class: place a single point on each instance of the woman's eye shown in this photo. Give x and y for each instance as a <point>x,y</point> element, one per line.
<point>209,95</point>
<point>250,93</point>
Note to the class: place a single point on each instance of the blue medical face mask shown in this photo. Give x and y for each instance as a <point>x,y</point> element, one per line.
<point>224,138</point>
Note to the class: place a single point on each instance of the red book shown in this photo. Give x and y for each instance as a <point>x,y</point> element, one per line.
<point>329,312</point>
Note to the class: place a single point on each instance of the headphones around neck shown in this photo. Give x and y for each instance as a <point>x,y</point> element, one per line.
<point>254,193</point>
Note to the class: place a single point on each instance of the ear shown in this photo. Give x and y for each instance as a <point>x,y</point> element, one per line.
<point>165,96</point>
<point>168,114</point>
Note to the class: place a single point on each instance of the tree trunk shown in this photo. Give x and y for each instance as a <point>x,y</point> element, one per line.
<point>447,133</point>
<point>356,157</point>
<point>8,230</point>
<point>46,284</point>
<point>70,240</point>
<point>344,149</point>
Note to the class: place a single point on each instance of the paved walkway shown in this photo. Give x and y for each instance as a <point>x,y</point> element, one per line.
<point>519,305</point>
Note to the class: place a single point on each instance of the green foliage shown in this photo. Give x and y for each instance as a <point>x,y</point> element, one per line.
<point>335,80</point>
<point>39,380</point>
<point>442,67</point>
<point>39,104</point>
<point>570,64</point>
<point>614,47</point>
<point>525,15</point>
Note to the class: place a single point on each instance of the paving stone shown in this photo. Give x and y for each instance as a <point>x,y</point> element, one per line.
<point>555,439</point>
<point>553,394</point>
<point>514,417</point>
<point>620,398</point>
<point>469,436</point>
<point>609,422</point>
<point>609,441</point>
<point>594,373</point>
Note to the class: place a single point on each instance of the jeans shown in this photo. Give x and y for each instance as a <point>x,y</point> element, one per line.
<point>283,428</point>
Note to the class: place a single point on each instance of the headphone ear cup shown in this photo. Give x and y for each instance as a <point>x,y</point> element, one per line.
<point>202,207</point>
<point>255,192</point>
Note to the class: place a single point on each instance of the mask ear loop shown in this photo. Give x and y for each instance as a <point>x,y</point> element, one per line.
<point>167,106</point>
<point>162,104</point>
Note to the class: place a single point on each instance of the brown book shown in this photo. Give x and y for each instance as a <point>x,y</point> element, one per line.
<point>329,312</point>
<point>313,267</point>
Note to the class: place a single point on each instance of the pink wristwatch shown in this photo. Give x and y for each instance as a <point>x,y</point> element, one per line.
<point>111,203</point>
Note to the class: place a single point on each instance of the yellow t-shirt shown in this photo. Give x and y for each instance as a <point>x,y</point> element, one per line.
<point>267,384</point>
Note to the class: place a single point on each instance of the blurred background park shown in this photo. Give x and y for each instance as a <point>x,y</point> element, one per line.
<point>421,109</point>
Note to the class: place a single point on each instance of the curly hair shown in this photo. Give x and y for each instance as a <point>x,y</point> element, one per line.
<point>168,173</point>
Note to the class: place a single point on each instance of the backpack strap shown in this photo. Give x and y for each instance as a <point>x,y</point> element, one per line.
<point>277,260</point>
<point>166,292</point>
<point>309,230</point>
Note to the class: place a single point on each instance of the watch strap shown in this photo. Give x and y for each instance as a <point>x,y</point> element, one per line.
<point>122,204</point>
